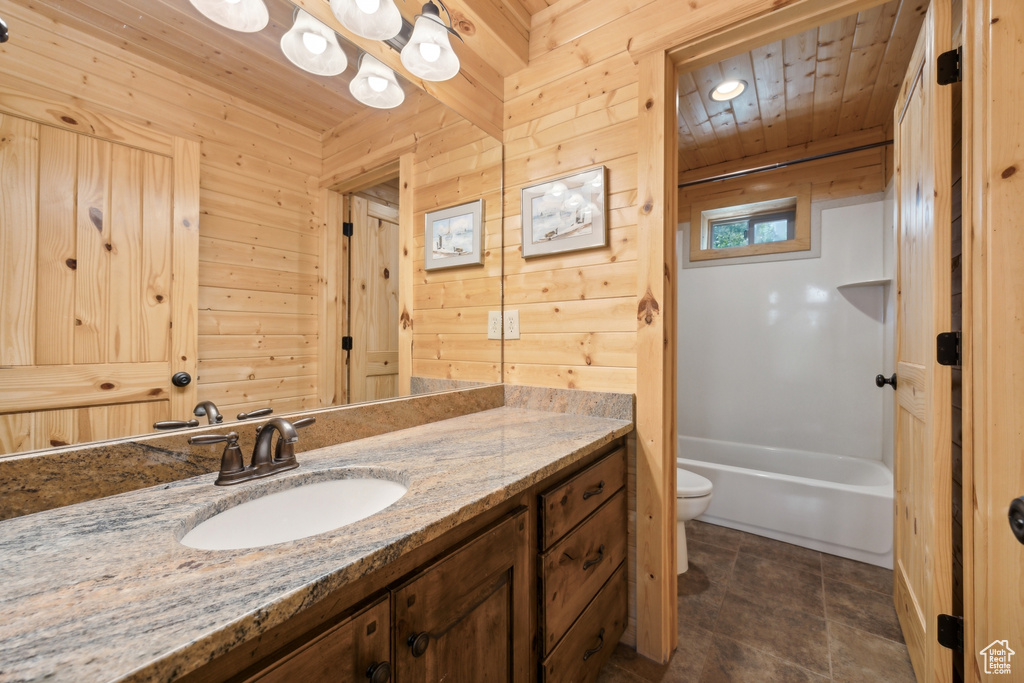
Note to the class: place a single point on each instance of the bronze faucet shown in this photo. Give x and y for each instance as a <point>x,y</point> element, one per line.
<point>209,409</point>
<point>264,462</point>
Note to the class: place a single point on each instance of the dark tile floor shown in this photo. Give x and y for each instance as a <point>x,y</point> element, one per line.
<point>752,609</point>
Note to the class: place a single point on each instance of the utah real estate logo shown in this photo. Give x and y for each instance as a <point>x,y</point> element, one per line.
<point>997,657</point>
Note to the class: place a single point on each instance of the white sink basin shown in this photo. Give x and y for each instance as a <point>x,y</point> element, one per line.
<point>298,512</point>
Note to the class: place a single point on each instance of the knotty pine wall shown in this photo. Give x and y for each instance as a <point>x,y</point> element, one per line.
<point>259,228</point>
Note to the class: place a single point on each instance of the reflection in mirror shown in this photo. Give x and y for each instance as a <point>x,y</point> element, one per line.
<point>179,191</point>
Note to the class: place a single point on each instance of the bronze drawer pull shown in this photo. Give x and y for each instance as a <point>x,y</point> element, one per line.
<point>594,492</point>
<point>600,643</point>
<point>590,563</point>
<point>418,642</point>
<point>379,672</point>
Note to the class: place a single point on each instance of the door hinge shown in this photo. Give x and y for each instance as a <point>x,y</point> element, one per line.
<point>346,343</point>
<point>947,349</point>
<point>949,67</point>
<point>950,632</point>
<point>347,229</point>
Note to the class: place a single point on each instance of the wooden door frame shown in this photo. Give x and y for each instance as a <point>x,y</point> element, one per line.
<point>993,342</point>
<point>333,284</point>
<point>656,590</point>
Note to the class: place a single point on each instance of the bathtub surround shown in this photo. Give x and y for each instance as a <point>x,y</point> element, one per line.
<point>144,605</point>
<point>50,479</point>
<point>773,354</point>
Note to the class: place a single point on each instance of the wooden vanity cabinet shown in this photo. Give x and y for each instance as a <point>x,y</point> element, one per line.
<point>582,572</point>
<point>467,617</point>
<point>357,650</point>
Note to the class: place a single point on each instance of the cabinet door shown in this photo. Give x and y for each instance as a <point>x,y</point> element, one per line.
<point>466,618</point>
<point>351,652</point>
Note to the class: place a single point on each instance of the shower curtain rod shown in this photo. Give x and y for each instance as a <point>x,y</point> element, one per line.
<point>781,164</point>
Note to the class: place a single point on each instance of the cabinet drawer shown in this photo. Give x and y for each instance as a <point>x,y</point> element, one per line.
<point>576,567</point>
<point>343,654</point>
<point>569,503</point>
<point>591,640</point>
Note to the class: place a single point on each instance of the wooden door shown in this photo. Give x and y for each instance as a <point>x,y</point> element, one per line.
<point>466,619</point>
<point>97,285</point>
<point>923,476</point>
<point>373,361</point>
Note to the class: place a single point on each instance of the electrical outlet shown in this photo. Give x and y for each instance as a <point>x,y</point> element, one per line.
<point>512,324</point>
<point>494,324</point>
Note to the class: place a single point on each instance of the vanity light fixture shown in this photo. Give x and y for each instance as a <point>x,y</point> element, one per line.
<point>374,19</point>
<point>312,46</point>
<point>375,84</point>
<point>247,16</point>
<point>728,90</point>
<point>429,53</point>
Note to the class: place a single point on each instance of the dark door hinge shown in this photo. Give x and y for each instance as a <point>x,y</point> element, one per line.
<point>346,343</point>
<point>947,349</point>
<point>347,229</point>
<point>949,67</point>
<point>950,632</point>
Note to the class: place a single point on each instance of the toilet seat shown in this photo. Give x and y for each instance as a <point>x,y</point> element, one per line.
<point>691,485</point>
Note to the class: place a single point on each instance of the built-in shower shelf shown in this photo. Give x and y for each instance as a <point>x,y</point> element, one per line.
<point>866,283</point>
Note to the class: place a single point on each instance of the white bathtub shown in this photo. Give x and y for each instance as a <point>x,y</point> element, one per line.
<point>832,503</point>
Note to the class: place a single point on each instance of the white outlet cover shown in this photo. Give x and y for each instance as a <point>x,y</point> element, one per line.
<point>494,324</point>
<point>512,324</point>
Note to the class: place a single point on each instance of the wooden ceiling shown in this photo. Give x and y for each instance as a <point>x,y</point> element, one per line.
<point>833,83</point>
<point>251,66</point>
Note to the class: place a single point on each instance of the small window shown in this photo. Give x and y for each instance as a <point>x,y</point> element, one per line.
<point>770,226</point>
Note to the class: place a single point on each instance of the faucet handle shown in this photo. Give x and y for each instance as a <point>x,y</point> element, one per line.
<point>204,439</point>
<point>175,424</point>
<point>232,469</point>
<point>261,412</point>
<point>303,422</point>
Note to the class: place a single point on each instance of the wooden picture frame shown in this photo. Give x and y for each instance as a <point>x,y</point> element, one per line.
<point>565,214</point>
<point>454,236</point>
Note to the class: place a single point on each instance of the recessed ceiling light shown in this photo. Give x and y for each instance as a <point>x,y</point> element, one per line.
<point>728,90</point>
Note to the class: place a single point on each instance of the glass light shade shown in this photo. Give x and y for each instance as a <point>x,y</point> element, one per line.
<point>247,16</point>
<point>429,54</point>
<point>374,19</point>
<point>310,45</point>
<point>728,90</point>
<point>375,84</point>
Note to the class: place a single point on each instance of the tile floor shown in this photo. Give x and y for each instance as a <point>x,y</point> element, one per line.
<point>755,610</point>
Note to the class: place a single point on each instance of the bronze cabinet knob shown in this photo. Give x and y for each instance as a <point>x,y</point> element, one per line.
<point>379,672</point>
<point>419,642</point>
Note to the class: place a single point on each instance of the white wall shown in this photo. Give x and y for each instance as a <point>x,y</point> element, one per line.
<point>773,354</point>
<point>889,342</point>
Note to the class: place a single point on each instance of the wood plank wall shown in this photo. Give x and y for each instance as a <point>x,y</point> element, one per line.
<point>259,229</point>
<point>848,175</point>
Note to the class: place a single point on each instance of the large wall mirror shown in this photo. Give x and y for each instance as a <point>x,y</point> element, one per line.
<point>156,168</point>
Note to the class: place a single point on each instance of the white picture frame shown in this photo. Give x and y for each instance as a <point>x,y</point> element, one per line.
<point>565,214</point>
<point>454,236</point>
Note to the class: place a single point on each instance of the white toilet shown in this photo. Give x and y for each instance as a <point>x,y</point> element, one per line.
<point>693,495</point>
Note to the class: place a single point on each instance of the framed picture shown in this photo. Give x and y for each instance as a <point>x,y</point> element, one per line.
<point>565,214</point>
<point>454,236</point>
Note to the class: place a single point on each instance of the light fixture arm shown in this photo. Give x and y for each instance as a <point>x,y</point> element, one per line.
<point>430,10</point>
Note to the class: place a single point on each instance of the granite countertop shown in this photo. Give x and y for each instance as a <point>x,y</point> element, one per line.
<point>103,590</point>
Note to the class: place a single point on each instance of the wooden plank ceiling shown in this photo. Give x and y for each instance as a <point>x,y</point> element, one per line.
<point>251,66</point>
<point>825,89</point>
